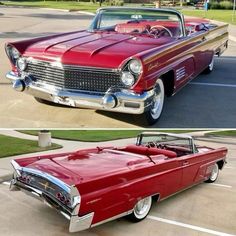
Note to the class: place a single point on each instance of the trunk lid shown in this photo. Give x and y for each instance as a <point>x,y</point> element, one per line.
<point>86,165</point>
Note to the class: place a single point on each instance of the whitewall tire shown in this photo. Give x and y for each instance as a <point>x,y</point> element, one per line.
<point>141,209</point>
<point>210,67</point>
<point>153,114</point>
<point>214,174</point>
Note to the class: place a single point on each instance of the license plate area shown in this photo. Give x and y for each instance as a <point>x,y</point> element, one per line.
<point>64,101</point>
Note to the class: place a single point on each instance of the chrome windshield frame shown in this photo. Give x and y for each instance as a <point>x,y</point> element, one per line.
<point>96,19</point>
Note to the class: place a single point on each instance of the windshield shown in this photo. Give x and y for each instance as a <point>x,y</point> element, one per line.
<point>164,139</point>
<point>143,21</point>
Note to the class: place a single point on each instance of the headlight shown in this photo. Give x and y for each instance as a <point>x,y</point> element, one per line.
<point>15,53</point>
<point>21,63</point>
<point>135,66</point>
<point>12,53</point>
<point>127,78</point>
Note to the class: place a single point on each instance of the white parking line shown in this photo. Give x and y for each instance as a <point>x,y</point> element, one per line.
<point>222,185</point>
<point>197,228</point>
<point>215,84</point>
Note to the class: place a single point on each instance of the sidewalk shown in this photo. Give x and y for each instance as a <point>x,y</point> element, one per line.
<point>70,146</point>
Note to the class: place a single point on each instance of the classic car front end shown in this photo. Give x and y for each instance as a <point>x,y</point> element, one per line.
<point>96,185</point>
<point>76,86</point>
<point>127,61</point>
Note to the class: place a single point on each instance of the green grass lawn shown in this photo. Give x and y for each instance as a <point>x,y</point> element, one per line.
<point>219,15</point>
<point>96,135</point>
<point>67,5</point>
<point>10,146</point>
<point>230,133</point>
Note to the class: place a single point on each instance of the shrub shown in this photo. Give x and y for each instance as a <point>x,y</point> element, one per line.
<point>214,5</point>
<point>117,3</point>
<point>226,5</point>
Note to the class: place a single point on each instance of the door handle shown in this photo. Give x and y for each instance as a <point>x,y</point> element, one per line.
<point>185,163</point>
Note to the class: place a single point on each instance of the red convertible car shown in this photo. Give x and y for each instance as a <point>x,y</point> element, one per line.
<point>93,186</point>
<point>127,61</point>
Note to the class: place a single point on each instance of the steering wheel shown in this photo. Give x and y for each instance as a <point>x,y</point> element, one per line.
<point>157,32</point>
<point>150,144</point>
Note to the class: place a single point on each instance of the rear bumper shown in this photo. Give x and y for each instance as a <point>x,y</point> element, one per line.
<point>76,223</point>
<point>115,99</point>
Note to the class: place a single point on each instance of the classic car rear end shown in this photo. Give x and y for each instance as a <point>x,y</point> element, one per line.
<point>127,61</point>
<point>93,186</point>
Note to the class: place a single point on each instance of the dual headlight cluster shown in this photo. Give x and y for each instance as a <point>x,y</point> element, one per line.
<point>131,72</point>
<point>16,58</point>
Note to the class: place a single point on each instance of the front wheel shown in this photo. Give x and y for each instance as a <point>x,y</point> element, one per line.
<point>141,209</point>
<point>214,174</point>
<point>154,113</point>
<point>210,67</point>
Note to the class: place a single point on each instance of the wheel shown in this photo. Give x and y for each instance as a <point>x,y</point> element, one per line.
<point>153,114</point>
<point>141,209</point>
<point>214,174</point>
<point>210,67</point>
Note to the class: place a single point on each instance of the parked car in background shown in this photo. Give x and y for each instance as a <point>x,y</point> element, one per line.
<point>127,61</point>
<point>92,186</point>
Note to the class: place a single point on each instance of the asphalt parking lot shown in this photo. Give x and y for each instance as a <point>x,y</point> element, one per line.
<point>206,209</point>
<point>208,101</point>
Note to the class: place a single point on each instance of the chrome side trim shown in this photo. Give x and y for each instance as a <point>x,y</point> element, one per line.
<point>113,218</point>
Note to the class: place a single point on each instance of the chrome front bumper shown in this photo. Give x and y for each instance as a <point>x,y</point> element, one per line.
<point>77,223</point>
<point>115,99</point>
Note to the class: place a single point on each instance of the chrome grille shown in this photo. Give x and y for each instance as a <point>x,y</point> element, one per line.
<point>72,77</point>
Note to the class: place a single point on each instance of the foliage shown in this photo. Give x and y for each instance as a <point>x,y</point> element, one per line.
<point>10,146</point>
<point>224,5</point>
<point>97,135</point>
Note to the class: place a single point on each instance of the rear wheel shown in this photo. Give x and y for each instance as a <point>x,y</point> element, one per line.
<point>214,174</point>
<point>141,209</point>
<point>153,114</point>
<point>210,67</point>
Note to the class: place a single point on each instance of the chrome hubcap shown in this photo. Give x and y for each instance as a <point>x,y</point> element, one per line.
<point>142,208</point>
<point>211,65</point>
<point>214,172</point>
<point>158,100</point>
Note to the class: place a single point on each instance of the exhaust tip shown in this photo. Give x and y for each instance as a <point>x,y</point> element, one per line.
<point>19,85</point>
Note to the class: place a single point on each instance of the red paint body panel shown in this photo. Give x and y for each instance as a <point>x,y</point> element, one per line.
<point>112,180</point>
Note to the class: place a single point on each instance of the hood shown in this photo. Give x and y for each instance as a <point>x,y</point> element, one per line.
<point>86,165</point>
<point>96,49</point>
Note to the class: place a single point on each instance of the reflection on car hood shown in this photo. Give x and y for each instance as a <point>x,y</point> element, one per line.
<point>93,48</point>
